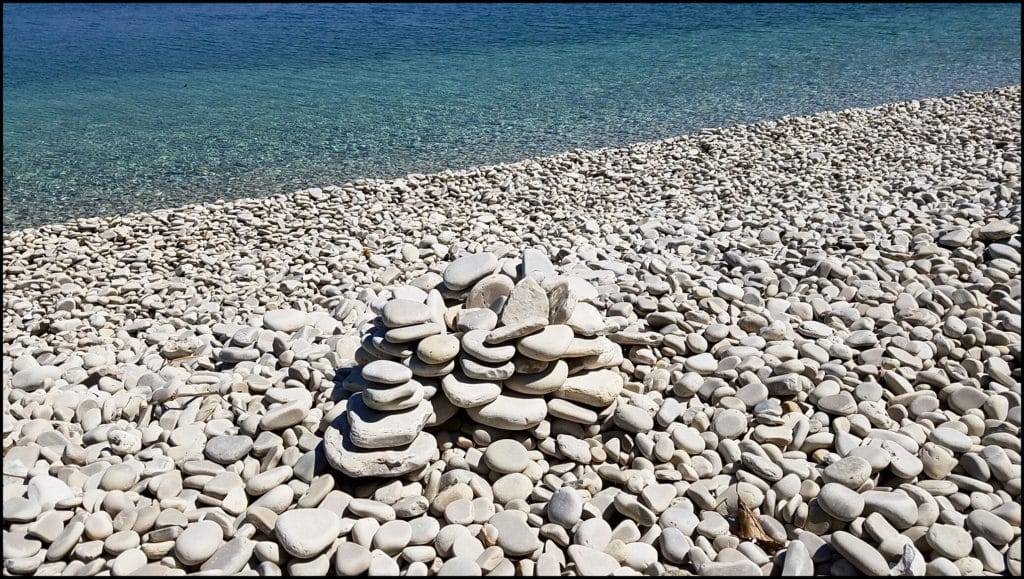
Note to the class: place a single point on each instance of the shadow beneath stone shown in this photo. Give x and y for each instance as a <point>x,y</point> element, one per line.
<point>338,391</point>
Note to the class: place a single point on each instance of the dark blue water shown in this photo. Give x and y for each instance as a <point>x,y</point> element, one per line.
<point>114,108</point>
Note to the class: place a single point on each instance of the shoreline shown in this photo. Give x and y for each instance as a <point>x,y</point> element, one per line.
<point>202,206</point>
<point>803,334</point>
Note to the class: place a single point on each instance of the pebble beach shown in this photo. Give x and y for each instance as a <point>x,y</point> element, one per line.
<point>787,348</point>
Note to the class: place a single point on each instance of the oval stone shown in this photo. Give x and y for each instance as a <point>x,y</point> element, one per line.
<point>401,313</point>
<point>511,412</point>
<point>547,345</point>
<point>386,372</point>
<point>840,502</point>
<point>438,349</point>
<point>305,533</point>
<point>506,456</point>
<point>469,269</point>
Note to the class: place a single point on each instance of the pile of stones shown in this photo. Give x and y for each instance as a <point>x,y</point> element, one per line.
<point>510,342</point>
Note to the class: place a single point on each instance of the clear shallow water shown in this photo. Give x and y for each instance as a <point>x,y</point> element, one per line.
<point>116,108</point>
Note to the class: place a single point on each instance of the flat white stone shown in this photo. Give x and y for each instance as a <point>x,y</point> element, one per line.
<point>47,491</point>
<point>421,369</point>
<point>465,392</point>
<point>390,462</point>
<point>284,320</point>
<point>566,410</point>
<point>473,343</point>
<point>586,320</point>
<point>511,412</point>
<point>610,357</point>
<point>198,542</point>
<point>400,313</point>
<point>476,370</point>
<point>591,562</point>
<point>35,377</point>
<point>438,349</point>
<point>475,319</point>
<point>595,388</point>
<point>401,397</point>
<point>506,456</point>
<point>547,345</point>
<point>386,372</point>
<point>507,333</point>
<point>537,265</point>
<point>527,301</point>
<point>413,333</point>
<point>468,269</point>
<point>305,533</point>
<point>515,537</point>
<point>372,429</point>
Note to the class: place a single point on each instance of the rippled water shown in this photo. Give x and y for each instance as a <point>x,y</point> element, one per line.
<point>115,108</point>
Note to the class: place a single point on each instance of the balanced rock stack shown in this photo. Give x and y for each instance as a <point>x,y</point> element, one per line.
<point>509,342</point>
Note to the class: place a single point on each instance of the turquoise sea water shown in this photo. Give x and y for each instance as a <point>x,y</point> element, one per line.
<point>113,108</point>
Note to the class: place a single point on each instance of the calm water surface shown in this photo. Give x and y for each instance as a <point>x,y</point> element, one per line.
<point>113,108</point>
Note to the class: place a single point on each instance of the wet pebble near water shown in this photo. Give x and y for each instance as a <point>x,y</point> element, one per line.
<point>786,348</point>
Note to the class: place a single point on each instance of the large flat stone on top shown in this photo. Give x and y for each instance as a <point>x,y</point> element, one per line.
<point>563,301</point>
<point>468,269</point>
<point>371,429</point>
<point>528,301</point>
<point>357,462</point>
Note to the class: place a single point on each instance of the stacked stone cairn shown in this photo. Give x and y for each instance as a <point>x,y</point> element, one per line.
<point>508,342</point>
